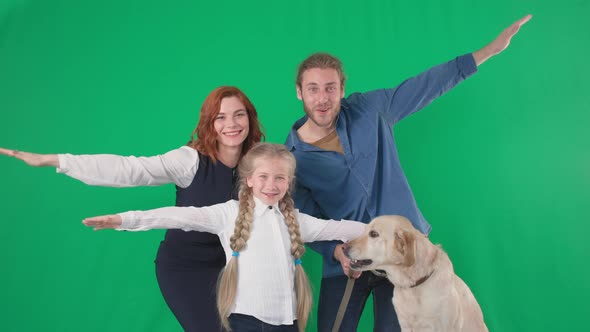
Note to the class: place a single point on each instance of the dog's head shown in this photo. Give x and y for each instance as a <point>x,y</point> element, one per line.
<point>388,240</point>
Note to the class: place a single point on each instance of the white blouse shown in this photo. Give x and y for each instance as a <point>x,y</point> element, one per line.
<point>266,266</point>
<point>178,166</point>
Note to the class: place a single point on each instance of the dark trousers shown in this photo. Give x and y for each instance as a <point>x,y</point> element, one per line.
<point>245,323</point>
<point>331,292</point>
<point>190,295</point>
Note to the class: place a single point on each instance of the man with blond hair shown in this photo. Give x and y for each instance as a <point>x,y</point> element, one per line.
<point>348,166</point>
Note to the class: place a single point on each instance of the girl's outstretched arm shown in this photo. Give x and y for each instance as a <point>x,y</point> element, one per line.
<point>315,229</point>
<point>213,219</point>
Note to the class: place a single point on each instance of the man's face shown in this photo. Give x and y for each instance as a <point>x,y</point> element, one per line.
<point>321,92</point>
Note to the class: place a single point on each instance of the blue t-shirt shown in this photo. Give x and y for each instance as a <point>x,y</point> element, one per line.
<point>368,180</point>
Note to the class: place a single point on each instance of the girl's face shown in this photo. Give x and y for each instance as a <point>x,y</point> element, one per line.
<point>231,124</point>
<point>270,180</point>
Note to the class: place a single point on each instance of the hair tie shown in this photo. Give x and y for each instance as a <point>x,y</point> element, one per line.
<point>298,261</point>
<point>235,253</point>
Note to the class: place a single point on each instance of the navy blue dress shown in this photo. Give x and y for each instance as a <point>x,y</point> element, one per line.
<point>188,263</point>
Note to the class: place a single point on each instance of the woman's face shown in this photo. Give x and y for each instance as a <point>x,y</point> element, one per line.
<point>231,124</point>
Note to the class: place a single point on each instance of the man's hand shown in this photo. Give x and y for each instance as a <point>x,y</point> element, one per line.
<point>345,262</point>
<point>500,43</point>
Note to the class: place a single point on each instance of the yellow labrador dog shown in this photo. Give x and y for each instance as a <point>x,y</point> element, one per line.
<point>427,296</point>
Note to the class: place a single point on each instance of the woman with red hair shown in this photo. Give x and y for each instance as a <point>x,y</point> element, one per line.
<point>187,263</point>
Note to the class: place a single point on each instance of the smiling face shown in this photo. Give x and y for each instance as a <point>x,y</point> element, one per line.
<point>231,124</point>
<point>320,91</point>
<point>271,179</point>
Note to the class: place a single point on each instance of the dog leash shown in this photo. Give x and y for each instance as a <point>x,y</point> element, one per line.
<point>343,303</point>
<point>346,298</point>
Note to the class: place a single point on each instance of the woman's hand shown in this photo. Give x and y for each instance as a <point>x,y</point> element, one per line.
<point>32,159</point>
<point>102,222</point>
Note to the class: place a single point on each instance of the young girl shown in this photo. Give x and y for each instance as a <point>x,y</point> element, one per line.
<point>187,263</point>
<point>263,283</point>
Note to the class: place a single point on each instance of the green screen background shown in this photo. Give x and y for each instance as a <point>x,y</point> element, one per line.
<point>499,166</point>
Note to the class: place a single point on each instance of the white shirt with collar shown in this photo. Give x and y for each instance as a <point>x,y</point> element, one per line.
<point>266,266</point>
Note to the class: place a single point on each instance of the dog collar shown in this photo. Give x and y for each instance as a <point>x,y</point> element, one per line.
<point>422,280</point>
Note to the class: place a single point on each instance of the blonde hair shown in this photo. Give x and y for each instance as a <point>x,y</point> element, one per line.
<point>228,279</point>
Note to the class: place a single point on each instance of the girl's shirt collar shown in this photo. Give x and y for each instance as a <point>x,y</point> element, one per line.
<point>261,208</point>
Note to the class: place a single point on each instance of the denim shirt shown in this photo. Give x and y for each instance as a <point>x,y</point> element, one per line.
<point>368,180</point>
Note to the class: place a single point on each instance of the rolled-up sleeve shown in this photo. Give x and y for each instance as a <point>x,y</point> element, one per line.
<point>417,92</point>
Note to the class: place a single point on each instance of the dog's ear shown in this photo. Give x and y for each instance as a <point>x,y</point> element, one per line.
<point>405,244</point>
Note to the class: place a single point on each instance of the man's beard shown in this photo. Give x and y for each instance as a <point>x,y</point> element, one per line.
<point>313,115</point>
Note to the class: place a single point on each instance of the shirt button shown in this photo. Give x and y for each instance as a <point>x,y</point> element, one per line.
<point>270,207</point>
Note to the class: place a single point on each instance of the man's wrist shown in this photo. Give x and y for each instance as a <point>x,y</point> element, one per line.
<point>336,253</point>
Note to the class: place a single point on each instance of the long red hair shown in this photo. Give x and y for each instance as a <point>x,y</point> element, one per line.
<point>204,137</point>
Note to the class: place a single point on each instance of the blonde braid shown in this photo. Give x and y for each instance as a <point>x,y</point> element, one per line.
<point>288,209</point>
<point>227,284</point>
<point>244,220</point>
<point>302,287</point>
